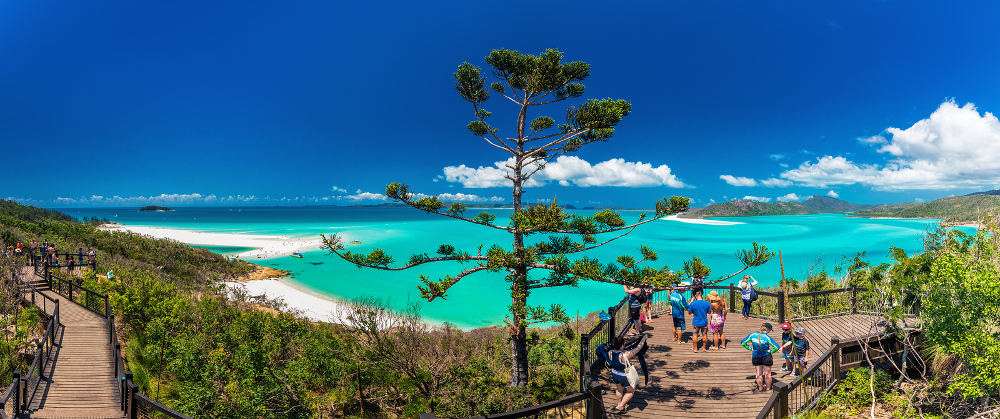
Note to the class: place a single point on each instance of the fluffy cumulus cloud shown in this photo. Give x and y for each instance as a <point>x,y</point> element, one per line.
<point>464,197</point>
<point>447,197</point>
<point>756,198</point>
<point>955,147</point>
<point>833,194</point>
<point>568,171</point>
<point>789,197</point>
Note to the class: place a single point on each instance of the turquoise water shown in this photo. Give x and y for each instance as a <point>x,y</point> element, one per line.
<point>224,250</point>
<point>808,242</point>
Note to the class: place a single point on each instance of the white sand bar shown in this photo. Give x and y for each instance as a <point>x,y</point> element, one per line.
<point>312,306</point>
<point>265,246</point>
<point>701,221</point>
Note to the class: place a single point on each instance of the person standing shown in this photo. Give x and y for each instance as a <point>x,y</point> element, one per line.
<point>699,320</point>
<point>746,288</point>
<point>636,298</point>
<point>677,308</point>
<point>800,347</point>
<point>33,246</point>
<point>717,322</point>
<point>761,346</point>
<point>786,353</point>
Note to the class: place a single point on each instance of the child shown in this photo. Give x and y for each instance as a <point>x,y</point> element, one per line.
<point>800,345</point>
<point>786,336</point>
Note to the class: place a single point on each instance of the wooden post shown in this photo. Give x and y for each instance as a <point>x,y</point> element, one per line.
<point>732,298</point>
<point>111,326</point>
<point>595,404</point>
<point>41,363</point>
<point>127,378</point>
<point>56,311</point>
<point>584,351</point>
<point>107,307</point>
<point>781,306</point>
<point>132,389</point>
<point>835,370</point>
<point>17,392</point>
<point>854,299</point>
<point>611,323</point>
<point>781,410</point>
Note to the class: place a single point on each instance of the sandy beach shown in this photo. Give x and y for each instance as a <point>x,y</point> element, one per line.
<point>265,246</point>
<point>313,306</point>
<point>704,221</point>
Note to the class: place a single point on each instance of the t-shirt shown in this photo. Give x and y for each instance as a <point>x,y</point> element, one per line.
<point>760,343</point>
<point>699,312</point>
<point>677,305</point>
<point>785,338</point>
<point>633,299</point>
<point>801,345</point>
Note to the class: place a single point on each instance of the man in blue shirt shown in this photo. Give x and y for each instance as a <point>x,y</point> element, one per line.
<point>677,308</point>
<point>699,319</point>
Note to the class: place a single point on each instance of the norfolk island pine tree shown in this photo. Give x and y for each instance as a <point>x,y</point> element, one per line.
<point>531,82</point>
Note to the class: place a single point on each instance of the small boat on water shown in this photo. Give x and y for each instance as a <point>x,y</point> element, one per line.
<point>296,255</point>
<point>356,242</point>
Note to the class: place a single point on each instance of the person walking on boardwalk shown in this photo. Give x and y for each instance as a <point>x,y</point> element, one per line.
<point>699,320</point>
<point>746,293</point>
<point>618,360</point>
<point>717,322</point>
<point>636,298</point>
<point>677,308</point>
<point>761,346</point>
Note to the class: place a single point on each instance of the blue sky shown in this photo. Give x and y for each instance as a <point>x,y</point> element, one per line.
<point>249,103</point>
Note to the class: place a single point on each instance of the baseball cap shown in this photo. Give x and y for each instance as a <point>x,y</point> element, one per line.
<point>786,326</point>
<point>767,326</point>
<point>800,330</point>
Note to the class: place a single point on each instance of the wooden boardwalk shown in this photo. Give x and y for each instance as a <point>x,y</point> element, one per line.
<point>719,383</point>
<point>80,378</point>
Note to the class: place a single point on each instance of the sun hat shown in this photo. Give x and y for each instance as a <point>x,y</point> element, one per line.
<point>800,330</point>
<point>786,326</point>
<point>714,295</point>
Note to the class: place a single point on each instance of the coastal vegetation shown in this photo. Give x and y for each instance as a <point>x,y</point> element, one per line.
<point>532,82</point>
<point>748,208</point>
<point>968,208</point>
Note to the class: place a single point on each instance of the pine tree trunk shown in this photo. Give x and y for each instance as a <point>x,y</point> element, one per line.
<point>519,299</point>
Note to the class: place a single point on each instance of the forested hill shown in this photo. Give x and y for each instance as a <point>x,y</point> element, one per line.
<point>953,208</point>
<point>746,208</point>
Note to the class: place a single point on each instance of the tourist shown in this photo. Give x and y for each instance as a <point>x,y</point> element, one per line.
<point>79,254</point>
<point>786,353</point>
<point>717,323</point>
<point>636,298</point>
<point>746,287</point>
<point>33,246</point>
<point>699,320</point>
<point>761,346</point>
<point>619,363</point>
<point>647,308</point>
<point>677,308</point>
<point>92,256</point>
<point>20,248</point>
<point>800,350</point>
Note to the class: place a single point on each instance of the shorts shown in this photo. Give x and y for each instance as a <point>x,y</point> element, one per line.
<point>620,379</point>
<point>633,313</point>
<point>701,330</point>
<point>787,356</point>
<point>679,323</point>
<point>765,361</point>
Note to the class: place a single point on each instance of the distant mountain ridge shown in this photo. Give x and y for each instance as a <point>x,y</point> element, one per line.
<point>993,192</point>
<point>746,208</point>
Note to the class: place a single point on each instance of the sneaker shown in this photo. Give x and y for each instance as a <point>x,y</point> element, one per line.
<point>784,369</point>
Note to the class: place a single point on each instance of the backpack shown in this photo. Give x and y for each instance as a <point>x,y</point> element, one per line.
<point>753,294</point>
<point>641,298</point>
<point>697,283</point>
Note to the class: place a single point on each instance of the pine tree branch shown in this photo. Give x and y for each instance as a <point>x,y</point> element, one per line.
<point>593,246</point>
<point>407,266</point>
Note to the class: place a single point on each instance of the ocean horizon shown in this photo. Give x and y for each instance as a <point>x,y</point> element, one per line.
<point>809,243</point>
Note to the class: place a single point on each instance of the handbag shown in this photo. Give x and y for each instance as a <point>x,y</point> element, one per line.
<point>632,374</point>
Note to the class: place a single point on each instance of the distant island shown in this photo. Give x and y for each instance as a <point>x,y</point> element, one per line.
<point>154,208</point>
<point>747,208</point>
<point>956,209</point>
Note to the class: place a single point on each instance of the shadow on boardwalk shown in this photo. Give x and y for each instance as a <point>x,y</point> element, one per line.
<point>718,383</point>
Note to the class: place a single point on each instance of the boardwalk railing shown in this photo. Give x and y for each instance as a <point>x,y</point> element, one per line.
<point>806,391</point>
<point>583,405</point>
<point>17,397</point>
<point>602,332</point>
<point>781,307</point>
<point>133,403</point>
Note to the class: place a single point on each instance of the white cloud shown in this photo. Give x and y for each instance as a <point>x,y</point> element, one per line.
<point>163,199</point>
<point>569,171</point>
<point>362,196</point>
<point>954,148</point>
<point>777,156</point>
<point>875,139</point>
<point>833,194</point>
<point>745,181</point>
<point>757,198</point>
<point>789,197</point>
<point>338,189</point>
<point>464,197</point>
<point>738,181</point>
